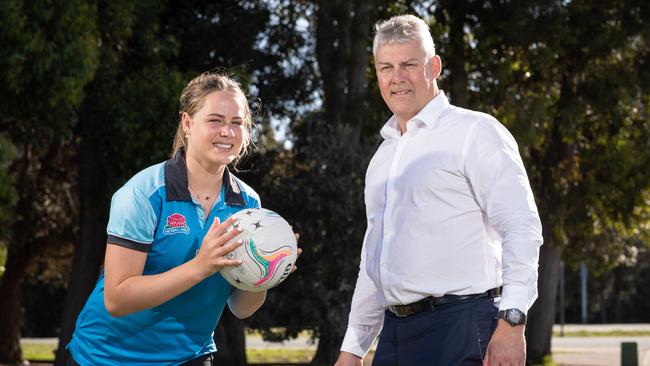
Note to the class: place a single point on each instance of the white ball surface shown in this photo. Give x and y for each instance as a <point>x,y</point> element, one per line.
<point>268,253</point>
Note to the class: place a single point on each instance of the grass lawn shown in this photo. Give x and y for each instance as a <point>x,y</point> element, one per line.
<point>45,352</point>
<point>279,355</point>
<point>38,351</point>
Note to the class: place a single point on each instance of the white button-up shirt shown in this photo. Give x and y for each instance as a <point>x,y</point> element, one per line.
<point>450,211</point>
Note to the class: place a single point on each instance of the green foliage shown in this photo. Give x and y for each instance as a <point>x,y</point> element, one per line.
<point>577,105</point>
<point>320,191</point>
<point>140,114</point>
<point>269,53</point>
<point>569,79</point>
<point>49,53</point>
<point>155,49</point>
<point>564,77</point>
<point>616,295</point>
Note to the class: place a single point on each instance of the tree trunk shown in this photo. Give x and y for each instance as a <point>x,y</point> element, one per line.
<point>542,315</point>
<point>342,39</point>
<point>11,315</point>
<point>359,35</point>
<point>332,48</point>
<point>231,341</point>
<point>329,344</point>
<point>331,329</point>
<point>618,288</point>
<point>456,58</point>
<point>18,258</point>
<point>89,252</point>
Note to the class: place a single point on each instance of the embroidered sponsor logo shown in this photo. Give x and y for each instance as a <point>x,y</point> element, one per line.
<point>176,224</point>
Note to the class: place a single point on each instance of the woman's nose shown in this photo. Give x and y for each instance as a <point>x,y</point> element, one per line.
<point>226,131</point>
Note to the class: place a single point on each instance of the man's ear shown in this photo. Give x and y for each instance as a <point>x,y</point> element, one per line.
<point>436,66</point>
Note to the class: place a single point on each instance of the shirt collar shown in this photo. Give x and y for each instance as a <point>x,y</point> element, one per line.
<point>176,182</point>
<point>428,116</point>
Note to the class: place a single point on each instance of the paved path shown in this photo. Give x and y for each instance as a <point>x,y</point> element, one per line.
<point>569,328</point>
<point>598,350</point>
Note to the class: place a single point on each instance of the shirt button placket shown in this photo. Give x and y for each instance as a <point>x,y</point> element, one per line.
<point>391,198</point>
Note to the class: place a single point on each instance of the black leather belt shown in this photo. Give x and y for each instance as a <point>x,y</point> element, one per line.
<point>429,303</point>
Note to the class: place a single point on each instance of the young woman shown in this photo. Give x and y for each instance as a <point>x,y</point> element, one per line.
<point>160,295</point>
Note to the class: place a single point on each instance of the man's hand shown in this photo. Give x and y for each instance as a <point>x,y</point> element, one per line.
<point>348,359</point>
<point>507,346</point>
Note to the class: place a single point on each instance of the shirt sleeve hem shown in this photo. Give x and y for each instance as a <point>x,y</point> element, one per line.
<point>126,243</point>
<point>517,297</point>
<point>357,342</point>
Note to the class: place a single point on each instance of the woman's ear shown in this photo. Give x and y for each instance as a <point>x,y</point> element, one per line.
<point>186,122</point>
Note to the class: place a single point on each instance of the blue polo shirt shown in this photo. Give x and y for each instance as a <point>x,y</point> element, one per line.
<point>155,213</point>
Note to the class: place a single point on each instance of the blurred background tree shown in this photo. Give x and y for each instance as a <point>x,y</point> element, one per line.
<point>89,96</point>
<point>48,54</point>
<point>567,78</point>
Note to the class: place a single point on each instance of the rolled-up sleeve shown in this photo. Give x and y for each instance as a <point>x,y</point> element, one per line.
<point>499,180</point>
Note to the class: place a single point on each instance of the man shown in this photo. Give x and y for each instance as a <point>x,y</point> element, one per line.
<point>452,224</point>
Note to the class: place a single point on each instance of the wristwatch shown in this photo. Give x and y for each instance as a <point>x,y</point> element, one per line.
<point>514,317</point>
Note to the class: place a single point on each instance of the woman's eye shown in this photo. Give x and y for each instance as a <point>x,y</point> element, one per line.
<point>238,123</point>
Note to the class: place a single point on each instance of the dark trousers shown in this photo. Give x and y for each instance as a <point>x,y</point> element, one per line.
<point>449,335</point>
<point>205,360</point>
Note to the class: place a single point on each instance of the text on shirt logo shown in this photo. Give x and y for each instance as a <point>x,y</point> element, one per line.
<point>175,225</point>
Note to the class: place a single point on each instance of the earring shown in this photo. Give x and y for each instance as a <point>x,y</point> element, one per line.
<point>187,136</point>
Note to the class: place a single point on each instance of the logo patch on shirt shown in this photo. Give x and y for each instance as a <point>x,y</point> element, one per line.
<point>176,224</point>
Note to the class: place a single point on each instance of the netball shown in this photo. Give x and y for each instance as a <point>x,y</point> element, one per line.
<point>268,252</point>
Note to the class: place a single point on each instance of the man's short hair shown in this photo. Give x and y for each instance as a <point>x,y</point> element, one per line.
<point>403,29</point>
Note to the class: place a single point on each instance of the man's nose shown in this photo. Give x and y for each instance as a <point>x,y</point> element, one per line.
<point>398,76</point>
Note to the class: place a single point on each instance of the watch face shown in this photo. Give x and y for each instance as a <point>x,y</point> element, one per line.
<point>514,316</point>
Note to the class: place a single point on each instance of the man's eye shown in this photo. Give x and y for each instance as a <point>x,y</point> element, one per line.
<point>215,121</point>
